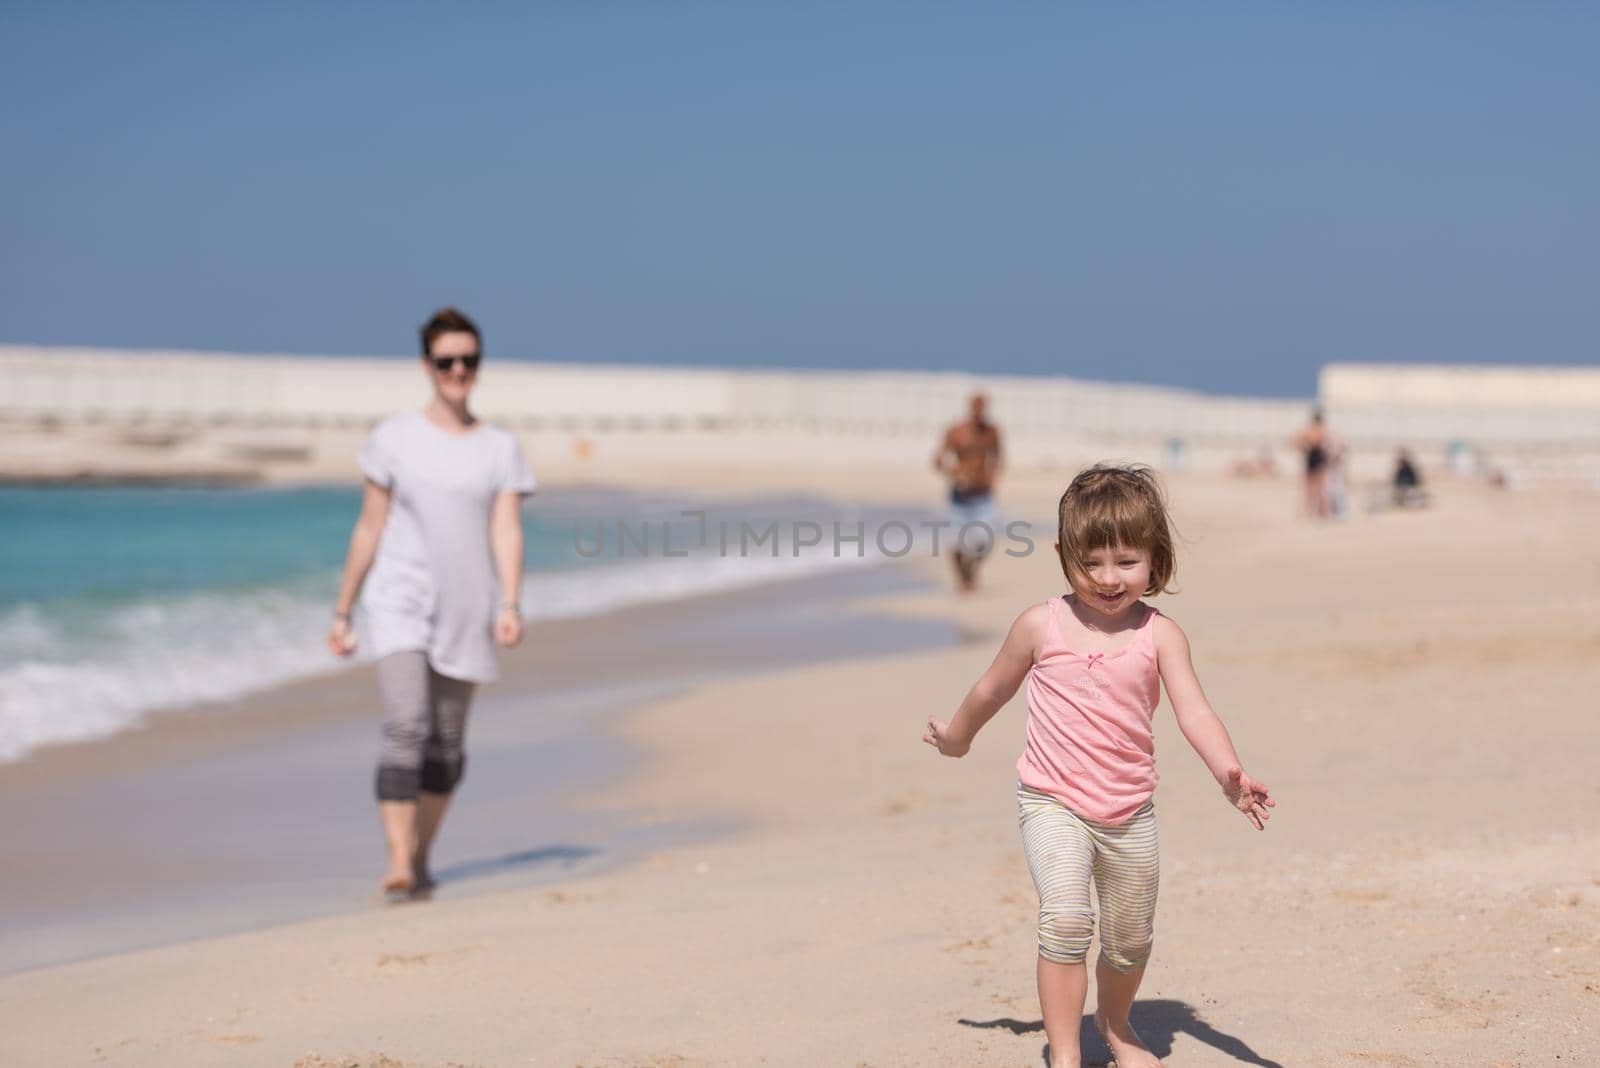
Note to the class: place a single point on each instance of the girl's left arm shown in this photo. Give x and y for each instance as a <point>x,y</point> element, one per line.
<point>1203,728</point>
<point>505,541</point>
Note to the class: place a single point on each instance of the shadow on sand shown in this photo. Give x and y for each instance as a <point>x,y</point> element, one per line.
<point>1157,1021</point>
<point>562,857</point>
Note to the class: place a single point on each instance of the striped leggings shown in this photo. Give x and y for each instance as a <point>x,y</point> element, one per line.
<point>1065,852</point>
<point>424,724</point>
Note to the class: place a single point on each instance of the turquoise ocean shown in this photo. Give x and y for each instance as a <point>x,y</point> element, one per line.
<point>119,602</point>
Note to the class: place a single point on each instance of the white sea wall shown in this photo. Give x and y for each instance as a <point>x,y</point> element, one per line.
<point>1525,421</point>
<point>1537,421</point>
<point>769,414</point>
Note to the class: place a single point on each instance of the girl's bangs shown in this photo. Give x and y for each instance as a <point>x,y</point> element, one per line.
<point>1124,523</point>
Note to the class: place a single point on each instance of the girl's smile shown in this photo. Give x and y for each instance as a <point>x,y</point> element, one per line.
<point>1109,580</point>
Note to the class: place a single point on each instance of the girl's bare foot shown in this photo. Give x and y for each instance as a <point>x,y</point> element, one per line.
<point>1127,1048</point>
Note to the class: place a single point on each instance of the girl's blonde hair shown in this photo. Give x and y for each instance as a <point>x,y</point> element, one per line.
<point>1110,505</point>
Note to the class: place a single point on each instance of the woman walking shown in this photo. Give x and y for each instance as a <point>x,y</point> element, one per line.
<point>440,533</point>
<point>1317,446</point>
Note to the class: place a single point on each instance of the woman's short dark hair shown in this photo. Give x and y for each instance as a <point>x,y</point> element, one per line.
<point>447,321</point>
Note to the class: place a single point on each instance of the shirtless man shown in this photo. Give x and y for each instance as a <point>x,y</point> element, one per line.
<point>969,456</point>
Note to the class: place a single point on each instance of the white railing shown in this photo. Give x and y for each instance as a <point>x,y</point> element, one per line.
<point>219,389</point>
<point>1543,417</point>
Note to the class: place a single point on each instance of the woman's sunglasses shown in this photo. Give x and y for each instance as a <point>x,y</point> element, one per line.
<point>445,363</point>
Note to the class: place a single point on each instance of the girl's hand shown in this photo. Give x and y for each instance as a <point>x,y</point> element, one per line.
<point>508,626</point>
<point>341,639</point>
<point>938,735</point>
<point>1249,797</point>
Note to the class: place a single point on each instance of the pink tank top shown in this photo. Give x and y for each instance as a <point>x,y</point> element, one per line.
<point>1090,742</point>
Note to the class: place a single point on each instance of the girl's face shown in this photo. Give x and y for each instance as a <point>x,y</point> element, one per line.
<point>1109,581</point>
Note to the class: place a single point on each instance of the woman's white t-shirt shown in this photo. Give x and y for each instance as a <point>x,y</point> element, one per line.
<point>432,586</point>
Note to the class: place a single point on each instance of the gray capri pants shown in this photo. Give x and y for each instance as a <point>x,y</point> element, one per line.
<point>424,723</point>
<point>1066,853</point>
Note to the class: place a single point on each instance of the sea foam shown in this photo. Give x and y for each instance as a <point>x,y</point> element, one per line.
<point>75,671</point>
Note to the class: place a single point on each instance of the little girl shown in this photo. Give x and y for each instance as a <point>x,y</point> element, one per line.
<point>1095,661</point>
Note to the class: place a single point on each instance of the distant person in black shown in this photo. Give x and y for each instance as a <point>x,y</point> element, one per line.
<point>1406,483</point>
<point>1316,445</point>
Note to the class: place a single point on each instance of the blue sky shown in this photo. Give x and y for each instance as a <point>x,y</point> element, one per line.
<point>1219,196</point>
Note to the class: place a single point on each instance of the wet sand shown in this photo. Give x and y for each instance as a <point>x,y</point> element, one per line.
<point>1417,689</point>
<point>233,816</point>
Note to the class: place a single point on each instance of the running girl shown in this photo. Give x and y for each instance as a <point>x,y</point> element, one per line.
<point>1095,661</point>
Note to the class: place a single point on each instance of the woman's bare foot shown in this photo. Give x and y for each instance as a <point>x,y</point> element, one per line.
<point>1127,1048</point>
<point>421,877</point>
<point>398,882</point>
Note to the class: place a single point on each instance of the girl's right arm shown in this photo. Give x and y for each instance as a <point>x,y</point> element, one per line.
<point>997,686</point>
<point>358,561</point>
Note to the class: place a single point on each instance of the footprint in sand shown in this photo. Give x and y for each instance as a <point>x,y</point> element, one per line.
<point>899,806</point>
<point>373,1060</point>
<point>400,963</point>
<point>912,800</point>
<point>100,1051</point>
<point>562,897</point>
<point>969,944</point>
<point>1362,895</point>
<point>403,960</point>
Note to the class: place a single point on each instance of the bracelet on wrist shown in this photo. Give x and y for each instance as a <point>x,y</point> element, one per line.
<point>342,615</point>
<point>513,605</point>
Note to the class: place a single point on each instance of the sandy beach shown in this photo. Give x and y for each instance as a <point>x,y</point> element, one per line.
<point>1416,688</point>
<point>487,500</point>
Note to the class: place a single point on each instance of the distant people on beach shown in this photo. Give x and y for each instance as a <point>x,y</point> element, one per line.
<point>1262,465</point>
<point>1405,485</point>
<point>1321,454</point>
<point>1095,662</point>
<point>1338,488</point>
<point>436,557</point>
<point>969,457</point>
